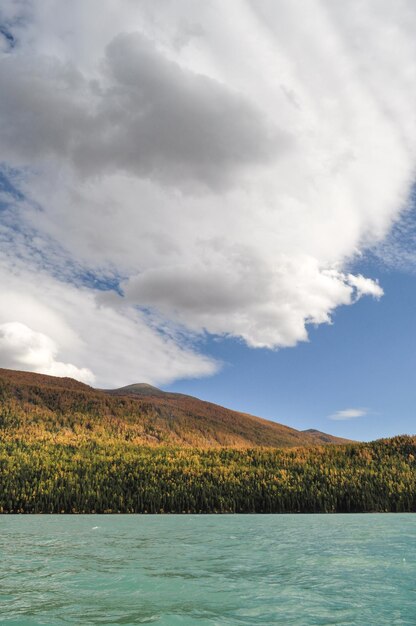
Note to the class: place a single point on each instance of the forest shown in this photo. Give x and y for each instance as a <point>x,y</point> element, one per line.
<point>45,477</point>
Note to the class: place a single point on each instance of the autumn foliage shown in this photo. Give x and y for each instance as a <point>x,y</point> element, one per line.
<point>66,448</point>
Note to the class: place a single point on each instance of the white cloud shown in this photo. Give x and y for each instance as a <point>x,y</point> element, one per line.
<point>20,346</point>
<point>266,308</point>
<point>365,286</point>
<point>348,414</point>
<point>230,196</point>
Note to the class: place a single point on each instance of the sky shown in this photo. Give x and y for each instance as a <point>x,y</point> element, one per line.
<point>215,198</point>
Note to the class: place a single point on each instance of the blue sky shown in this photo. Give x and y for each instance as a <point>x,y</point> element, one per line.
<point>243,232</point>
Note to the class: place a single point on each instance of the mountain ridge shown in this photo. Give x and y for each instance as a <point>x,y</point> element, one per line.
<point>144,389</point>
<point>49,406</point>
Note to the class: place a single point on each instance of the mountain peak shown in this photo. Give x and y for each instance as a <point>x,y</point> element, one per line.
<point>138,389</point>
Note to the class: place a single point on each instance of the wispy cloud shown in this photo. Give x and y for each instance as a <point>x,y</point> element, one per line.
<point>348,414</point>
<point>398,250</point>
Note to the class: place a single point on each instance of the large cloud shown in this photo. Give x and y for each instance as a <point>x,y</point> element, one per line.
<point>225,164</point>
<point>149,117</point>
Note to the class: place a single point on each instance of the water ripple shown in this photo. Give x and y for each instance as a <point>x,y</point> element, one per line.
<point>208,570</point>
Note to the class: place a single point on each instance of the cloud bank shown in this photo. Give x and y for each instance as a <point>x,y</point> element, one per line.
<point>214,171</point>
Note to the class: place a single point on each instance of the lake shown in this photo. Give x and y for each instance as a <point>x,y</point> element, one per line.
<point>208,570</point>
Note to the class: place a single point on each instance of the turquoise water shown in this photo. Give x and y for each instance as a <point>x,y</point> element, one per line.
<point>208,570</point>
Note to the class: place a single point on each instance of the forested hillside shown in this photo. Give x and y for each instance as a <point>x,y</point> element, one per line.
<point>67,448</point>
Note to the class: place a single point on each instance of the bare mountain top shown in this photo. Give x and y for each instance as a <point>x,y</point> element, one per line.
<point>138,389</point>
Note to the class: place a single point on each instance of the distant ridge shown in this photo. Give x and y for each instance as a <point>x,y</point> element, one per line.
<point>49,406</point>
<point>318,435</point>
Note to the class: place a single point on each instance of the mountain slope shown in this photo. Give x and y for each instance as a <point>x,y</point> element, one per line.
<point>215,419</point>
<point>43,407</point>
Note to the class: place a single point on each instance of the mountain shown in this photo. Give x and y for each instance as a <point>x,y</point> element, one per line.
<point>138,389</point>
<point>68,448</point>
<point>63,409</point>
<point>321,437</point>
<point>254,430</point>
